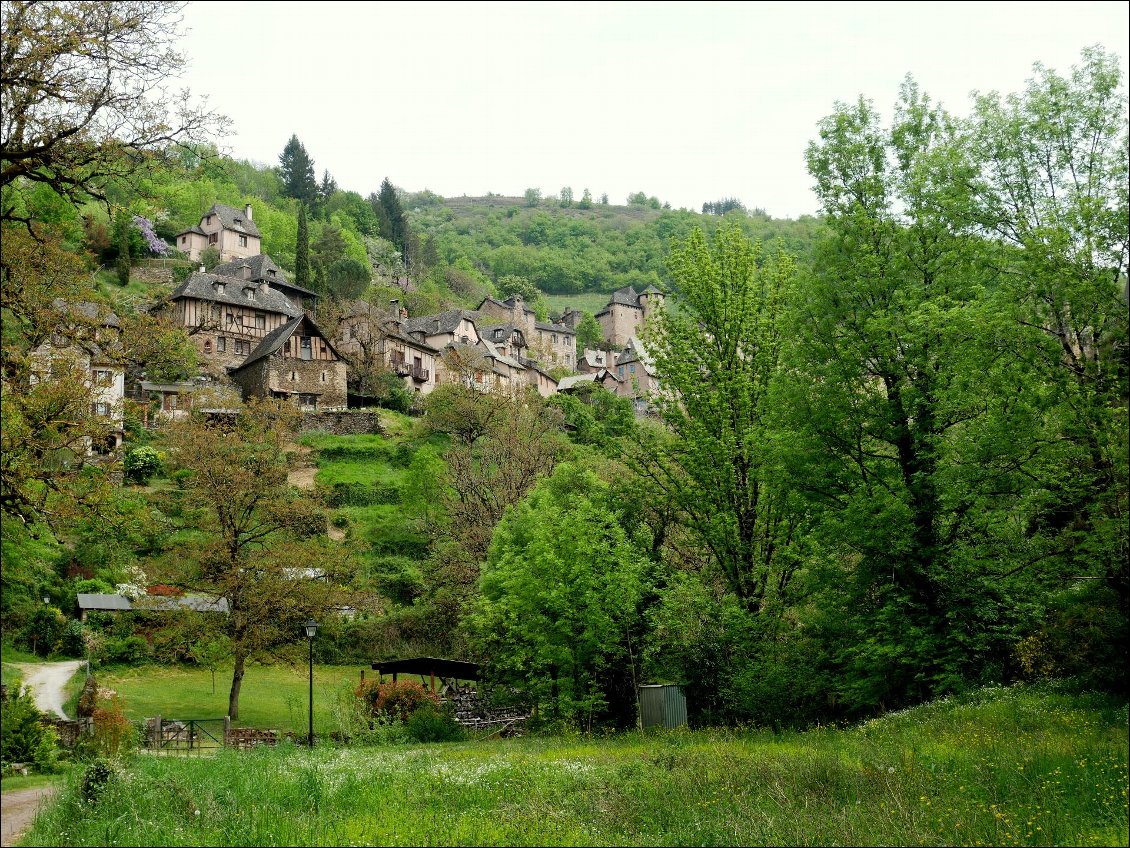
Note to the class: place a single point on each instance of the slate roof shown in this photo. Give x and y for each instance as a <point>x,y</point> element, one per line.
<point>261,265</point>
<point>87,311</point>
<point>149,602</point>
<point>392,331</point>
<point>228,216</point>
<point>555,328</point>
<point>634,351</point>
<point>103,602</point>
<point>444,322</point>
<point>200,286</point>
<point>501,333</point>
<point>596,358</point>
<point>275,339</point>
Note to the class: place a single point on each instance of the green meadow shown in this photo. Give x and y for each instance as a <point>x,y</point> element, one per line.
<point>1016,766</point>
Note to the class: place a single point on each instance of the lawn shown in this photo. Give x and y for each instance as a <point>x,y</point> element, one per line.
<point>271,696</point>
<point>587,302</point>
<point>1001,767</point>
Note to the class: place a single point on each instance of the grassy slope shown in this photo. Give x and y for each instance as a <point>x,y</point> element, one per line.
<point>271,696</point>
<point>1003,767</point>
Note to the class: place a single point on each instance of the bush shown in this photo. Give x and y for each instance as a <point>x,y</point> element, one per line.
<point>434,724</point>
<point>94,586</point>
<point>128,650</point>
<point>22,738</point>
<point>95,778</point>
<point>142,464</point>
<point>398,699</point>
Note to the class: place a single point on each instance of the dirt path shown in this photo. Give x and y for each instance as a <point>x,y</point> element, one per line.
<point>302,477</point>
<point>19,809</point>
<point>48,682</point>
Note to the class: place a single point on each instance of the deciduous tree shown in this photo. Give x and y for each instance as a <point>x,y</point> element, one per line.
<point>86,99</point>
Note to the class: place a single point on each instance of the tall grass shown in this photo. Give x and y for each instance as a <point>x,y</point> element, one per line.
<point>1006,767</point>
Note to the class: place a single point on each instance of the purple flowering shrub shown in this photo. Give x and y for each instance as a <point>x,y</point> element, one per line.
<point>152,240</point>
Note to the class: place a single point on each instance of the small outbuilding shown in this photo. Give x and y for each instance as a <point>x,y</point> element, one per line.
<point>430,669</point>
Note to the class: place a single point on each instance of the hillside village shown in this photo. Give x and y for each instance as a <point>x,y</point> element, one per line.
<point>258,336</point>
<point>608,465</point>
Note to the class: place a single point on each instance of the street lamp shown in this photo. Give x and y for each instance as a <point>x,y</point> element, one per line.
<point>311,631</point>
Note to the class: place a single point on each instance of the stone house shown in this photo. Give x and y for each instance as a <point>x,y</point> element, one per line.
<point>369,337</point>
<point>635,372</point>
<point>627,313</point>
<point>231,231</point>
<point>228,317</point>
<point>590,361</point>
<point>262,269</point>
<point>295,361</point>
<point>551,344</point>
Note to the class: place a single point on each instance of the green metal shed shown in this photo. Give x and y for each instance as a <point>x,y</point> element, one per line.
<point>662,705</point>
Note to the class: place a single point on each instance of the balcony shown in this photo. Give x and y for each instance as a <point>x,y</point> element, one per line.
<point>420,375</point>
<point>402,369</point>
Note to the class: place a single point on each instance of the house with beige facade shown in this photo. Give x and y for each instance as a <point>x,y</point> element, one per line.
<point>231,231</point>
<point>627,313</point>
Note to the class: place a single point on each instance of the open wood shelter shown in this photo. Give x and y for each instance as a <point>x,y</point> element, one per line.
<point>430,669</point>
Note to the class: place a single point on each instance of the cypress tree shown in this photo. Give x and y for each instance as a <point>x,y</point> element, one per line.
<point>121,238</point>
<point>302,251</point>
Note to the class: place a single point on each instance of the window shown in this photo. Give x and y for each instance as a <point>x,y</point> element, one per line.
<point>238,220</point>
<point>305,349</point>
<point>323,376</point>
<point>102,377</point>
<point>243,241</point>
<point>208,220</point>
<point>308,401</point>
<point>219,288</point>
<point>221,344</point>
<point>554,337</point>
<point>632,368</point>
<point>231,318</point>
<point>184,239</point>
<point>213,238</point>
<point>207,346</point>
<point>620,371</point>
<point>101,409</point>
<point>294,376</point>
<point>242,348</point>
<point>260,321</point>
<point>271,273</point>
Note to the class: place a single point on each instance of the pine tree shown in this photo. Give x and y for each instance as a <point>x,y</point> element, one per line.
<point>302,251</point>
<point>297,171</point>
<point>394,224</point>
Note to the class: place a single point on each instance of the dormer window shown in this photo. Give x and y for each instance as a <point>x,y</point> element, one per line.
<point>239,220</point>
<point>208,220</point>
<point>219,287</point>
<point>271,273</point>
<point>249,292</point>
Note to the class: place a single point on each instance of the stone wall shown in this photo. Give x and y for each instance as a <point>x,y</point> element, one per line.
<point>351,423</point>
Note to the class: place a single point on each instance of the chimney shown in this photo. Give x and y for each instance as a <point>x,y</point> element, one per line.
<point>246,272</point>
<point>201,267</point>
<point>247,212</point>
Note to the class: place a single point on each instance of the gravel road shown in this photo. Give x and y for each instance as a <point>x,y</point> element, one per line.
<point>48,683</point>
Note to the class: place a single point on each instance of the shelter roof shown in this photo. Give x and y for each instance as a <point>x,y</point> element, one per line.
<point>459,669</point>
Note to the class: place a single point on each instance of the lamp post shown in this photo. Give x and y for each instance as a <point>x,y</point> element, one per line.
<point>311,631</point>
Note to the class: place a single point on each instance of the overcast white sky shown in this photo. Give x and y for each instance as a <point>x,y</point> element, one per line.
<point>688,102</point>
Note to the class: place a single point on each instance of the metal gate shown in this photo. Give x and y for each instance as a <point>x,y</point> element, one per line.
<point>186,736</point>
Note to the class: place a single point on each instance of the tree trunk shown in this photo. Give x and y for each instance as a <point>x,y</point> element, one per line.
<point>236,682</point>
